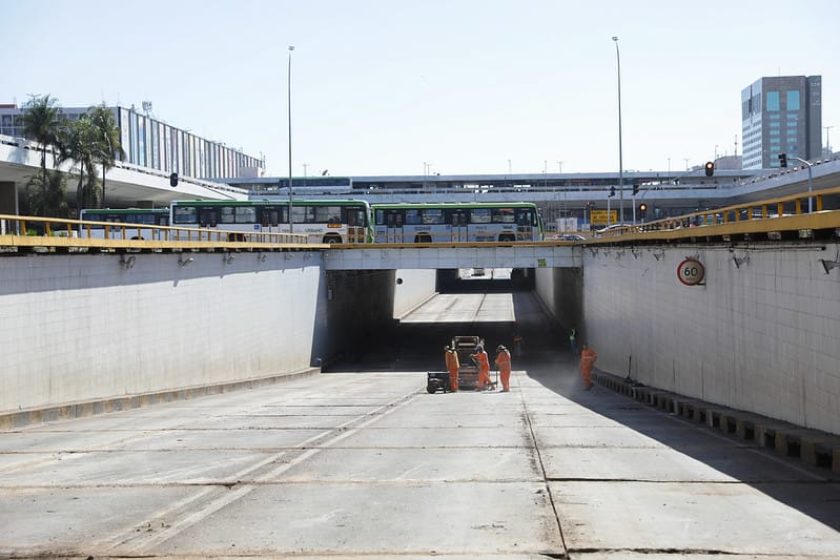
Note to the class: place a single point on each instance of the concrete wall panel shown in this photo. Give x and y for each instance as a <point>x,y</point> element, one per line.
<point>417,286</point>
<point>763,337</point>
<point>84,327</point>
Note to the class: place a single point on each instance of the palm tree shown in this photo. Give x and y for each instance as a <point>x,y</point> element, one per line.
<point>42,122</point>
<point>79,143</point>
<point>106,137</point>
<point>48,199</point>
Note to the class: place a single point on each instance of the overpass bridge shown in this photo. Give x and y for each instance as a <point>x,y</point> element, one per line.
<point>126,184</point>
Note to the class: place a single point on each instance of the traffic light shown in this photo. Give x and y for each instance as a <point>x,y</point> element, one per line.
<point>635,190</point>
<point>173,180</point>
<point>612,192</point>
<point>642,207</point>
<point>710,168</point>
<point>782,160</point>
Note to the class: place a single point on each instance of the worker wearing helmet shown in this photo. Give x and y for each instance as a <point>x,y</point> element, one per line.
<point>452,366</point>
<point>587,362</point>
<point>503,363</point>
<point>483,362</point>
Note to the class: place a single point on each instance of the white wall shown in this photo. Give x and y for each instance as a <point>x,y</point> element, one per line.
<point>417,287</point>
<point>764,337</point>
<point>544,281</point>
<point>82,327</point>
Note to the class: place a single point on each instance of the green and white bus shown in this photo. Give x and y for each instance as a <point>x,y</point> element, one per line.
<point>323,221</point>
<point>139,216</point>
<point>448,222</point>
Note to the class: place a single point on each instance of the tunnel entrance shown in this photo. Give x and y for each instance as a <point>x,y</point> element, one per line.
<point>497,306</point>
<point>465,280</point>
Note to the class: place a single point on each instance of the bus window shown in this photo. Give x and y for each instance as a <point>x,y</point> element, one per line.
<point>269,216</point>
<point>303,214</point>
<point>459,218</point>
<point>185,215</point>
<point>525,218</point>
<point>432,216</point>
<point>395,218</point>
<point>480,215</point>
<point>413,217</point>
<point>227,215</point>
<point>503,215</point>
<point>246,215</point>
<point>328,214</point>
<point>207,217</point>
<point>356,217</point>
<point>380,217</point>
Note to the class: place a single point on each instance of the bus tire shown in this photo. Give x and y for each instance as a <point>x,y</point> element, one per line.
<point>331,239</point>
<point>423,238</point>
<point>506,238</point>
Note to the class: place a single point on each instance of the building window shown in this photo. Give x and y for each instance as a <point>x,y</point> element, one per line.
<point>793,100</point>
<point>772,100</point>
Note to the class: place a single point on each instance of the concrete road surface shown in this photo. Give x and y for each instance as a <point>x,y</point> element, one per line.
<point>368,465</point>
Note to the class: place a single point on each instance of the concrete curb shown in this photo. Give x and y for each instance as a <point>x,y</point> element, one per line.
<point>19,419</point>
<point>813,447</point>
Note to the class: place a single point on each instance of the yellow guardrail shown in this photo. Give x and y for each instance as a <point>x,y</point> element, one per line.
<point>29,231</point>
<point>777,214</point>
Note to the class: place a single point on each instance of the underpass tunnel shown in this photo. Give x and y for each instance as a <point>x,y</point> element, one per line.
<point>498,305</point>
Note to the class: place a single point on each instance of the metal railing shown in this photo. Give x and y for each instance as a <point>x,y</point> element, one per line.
<point>768,215</point>
<point>35,231</point>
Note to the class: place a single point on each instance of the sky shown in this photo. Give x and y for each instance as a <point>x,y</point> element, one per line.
<point>383,87</point>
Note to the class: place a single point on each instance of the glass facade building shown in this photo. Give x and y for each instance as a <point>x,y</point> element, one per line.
<point>153,144</point>
<point>781,115</point>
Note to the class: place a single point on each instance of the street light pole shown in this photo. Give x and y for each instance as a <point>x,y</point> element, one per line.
<point>291,48</point>
<point>620,153</point>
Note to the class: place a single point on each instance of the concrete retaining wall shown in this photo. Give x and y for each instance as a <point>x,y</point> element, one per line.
<point>85,327</point>
<point>762,337</point>
<point>561,290</point>
<point>416,287</point>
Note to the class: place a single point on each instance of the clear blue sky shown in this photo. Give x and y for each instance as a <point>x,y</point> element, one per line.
<point>380,87</point>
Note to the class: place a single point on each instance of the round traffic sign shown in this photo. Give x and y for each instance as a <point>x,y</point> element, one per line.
<point>691,272</point>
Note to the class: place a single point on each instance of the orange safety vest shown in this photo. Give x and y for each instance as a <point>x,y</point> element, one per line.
<point>452,363</point>
<point>503,361</point>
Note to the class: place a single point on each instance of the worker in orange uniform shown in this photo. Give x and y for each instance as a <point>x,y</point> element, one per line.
<point>452,366</point>
<point>480,357</point>
<point>503,363</point>
<point>587,362</point>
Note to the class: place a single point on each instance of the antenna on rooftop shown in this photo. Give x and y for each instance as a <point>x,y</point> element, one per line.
<point>147,107</point>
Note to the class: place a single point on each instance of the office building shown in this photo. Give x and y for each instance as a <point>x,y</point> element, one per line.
<point>153,144</point>
<point>781,114</point>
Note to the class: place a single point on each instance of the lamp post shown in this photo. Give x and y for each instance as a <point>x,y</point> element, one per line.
<point>620,153</point>
<point>291,48</point>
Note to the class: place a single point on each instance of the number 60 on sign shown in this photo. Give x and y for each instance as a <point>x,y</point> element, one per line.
<point>691,272</point>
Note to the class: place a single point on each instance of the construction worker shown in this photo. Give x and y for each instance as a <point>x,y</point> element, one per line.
<point>483,362</point>
<point>503,363</point>
<point>573,341</point>
<point>587,362</point>
<point>452,366</point>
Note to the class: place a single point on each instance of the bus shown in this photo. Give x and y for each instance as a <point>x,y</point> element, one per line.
<point>448,222</point>
<point>323,221</point>
<point>145,216</point>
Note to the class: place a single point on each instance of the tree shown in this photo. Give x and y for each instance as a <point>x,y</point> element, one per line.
<point>47,199</point>
<point>42,122</point>
<point>79,144</point>
<point>106,138</point>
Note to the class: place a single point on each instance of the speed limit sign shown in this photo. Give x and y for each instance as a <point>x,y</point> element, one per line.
<point>691,272</point>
